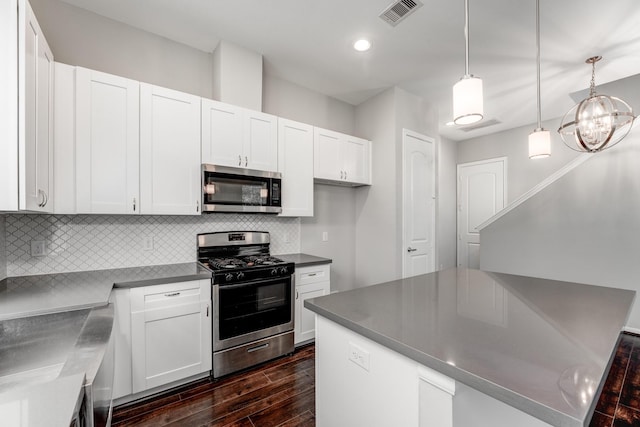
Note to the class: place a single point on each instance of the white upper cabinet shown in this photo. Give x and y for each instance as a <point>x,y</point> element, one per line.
<point>341,159</point>
<point>107,143</point>
<point>237,137</point>
<point>27,122</point>
<point>295,163</point>
<point>169,151</point>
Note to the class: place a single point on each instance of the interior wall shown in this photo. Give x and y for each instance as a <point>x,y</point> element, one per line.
<point>447,200</point>
<point>3,249</point>
<point>285,99</point>
<point>582,228</point>
<point>334,213</point>
<point>79,37</point>
<point>522,173</point>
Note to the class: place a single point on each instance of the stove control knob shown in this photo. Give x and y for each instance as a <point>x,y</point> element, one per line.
<point>274,271</point>
<point>283,270</point>
<point>228,277</point>
<point>240,275</point>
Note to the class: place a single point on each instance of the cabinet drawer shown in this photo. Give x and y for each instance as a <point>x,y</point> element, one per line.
<point>163,296</point>
<point>312,274</point>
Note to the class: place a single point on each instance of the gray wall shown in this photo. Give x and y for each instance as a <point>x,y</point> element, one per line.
<point>79,37</point>
<point>446,198</point>
<point>3,249</point>
<point>334,212</point>
<point>583,228</point>
<point>522,173</point>
<point>379,207</point>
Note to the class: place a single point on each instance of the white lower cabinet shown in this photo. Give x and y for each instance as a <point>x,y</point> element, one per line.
<point>311,282</point>
<point>170,333</point>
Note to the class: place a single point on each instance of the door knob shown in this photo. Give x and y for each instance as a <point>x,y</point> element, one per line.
<point>410,249</point>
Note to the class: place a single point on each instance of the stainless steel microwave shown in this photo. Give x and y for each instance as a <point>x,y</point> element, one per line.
<point>227,189</point>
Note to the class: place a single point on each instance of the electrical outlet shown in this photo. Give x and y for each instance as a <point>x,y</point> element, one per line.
<point>325,236</point>
<point>38,248</point>
<point>148,243</point>
<point>359,356</point>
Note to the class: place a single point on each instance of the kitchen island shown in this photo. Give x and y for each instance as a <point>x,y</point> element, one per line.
<point>464,347</point>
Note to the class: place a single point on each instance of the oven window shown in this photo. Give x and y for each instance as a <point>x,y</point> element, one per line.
<point>246,308</point>
<point>232,190</point>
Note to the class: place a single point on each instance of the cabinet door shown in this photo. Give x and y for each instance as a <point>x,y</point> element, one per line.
<point>170,333</point>
<point>222,134</point>
<point>356,160</point>
<point>107,143</point>
<point>326,149</point>
<point>260,148</point>
<point>305,320</point>
<point>9,105</point>
<point>169,152</point>
<point>36,121</point>
<point>295,163</point>
<point>122,336</point>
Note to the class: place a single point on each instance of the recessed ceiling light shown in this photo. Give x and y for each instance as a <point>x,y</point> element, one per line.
<point>362,45</point>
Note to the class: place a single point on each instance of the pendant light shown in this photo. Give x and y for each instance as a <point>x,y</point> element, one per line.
<point>539,139</point>
<point>598,121</point>
<point>467,93</point>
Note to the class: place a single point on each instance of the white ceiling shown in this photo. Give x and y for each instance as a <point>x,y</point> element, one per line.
<point>309,43</point>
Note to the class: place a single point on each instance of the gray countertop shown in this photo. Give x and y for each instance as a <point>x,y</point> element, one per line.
<point>304,260</point>
<point>32,295</point>
<point>541,346</point>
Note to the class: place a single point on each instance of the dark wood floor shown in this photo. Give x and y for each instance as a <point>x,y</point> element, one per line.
<point>281,393</point>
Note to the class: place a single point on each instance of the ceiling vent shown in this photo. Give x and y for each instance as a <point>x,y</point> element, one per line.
<point>399,10</point>
<point>483,124</point>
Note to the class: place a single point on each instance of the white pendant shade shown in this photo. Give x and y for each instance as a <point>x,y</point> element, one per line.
<point>539,144</point>
<point>467,101</point>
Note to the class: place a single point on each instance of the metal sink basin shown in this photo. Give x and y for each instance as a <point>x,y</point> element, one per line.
<point>35,349</point>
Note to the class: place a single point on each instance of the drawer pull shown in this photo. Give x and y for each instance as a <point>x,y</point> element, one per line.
<point>311,274</point>
<point>259,347</point>
<point>174,294</point>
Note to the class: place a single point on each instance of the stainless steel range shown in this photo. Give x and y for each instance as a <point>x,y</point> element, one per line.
<point>253,299</point>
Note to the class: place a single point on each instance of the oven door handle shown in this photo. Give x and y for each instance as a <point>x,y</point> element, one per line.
<point>260,282</point>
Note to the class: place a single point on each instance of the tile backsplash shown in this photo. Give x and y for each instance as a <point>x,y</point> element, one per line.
<point>97,242</point>
<point>3,251</point>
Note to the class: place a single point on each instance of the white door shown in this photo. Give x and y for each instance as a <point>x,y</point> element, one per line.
<point>481,194</point>
<point>295,163</point>
<point>221,134</point>
<point>169,151</point>
<point>327,163</point>
<point>107,143</point>
<point>260,147</point>
<point>418,205</point>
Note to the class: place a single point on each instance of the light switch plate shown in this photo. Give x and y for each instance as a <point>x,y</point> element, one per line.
<point>38,248</point>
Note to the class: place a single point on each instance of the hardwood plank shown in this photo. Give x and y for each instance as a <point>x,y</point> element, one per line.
<point>630,395</point>
<point>626,417</point>
<point>610,394</point>
<point>601,420</point>
<point>245,422</point>
<point>292,407</point>
<point>307,419</point>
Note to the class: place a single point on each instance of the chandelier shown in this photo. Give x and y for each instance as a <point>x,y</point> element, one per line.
<point>539,139</point>
<point>598,121</point>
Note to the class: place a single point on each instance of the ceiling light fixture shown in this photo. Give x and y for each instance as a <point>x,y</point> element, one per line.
<point>362,45</point>
<point>539,139</point>
<point>467,93</point>
<point>598,121</point>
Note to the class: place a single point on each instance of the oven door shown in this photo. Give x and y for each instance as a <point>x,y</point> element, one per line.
<point>245,312</point>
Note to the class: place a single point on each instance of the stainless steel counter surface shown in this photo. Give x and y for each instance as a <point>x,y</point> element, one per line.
<point>541,346</point>
<point>32,295</point>
<point>48,404</point>
<point>304,260</point>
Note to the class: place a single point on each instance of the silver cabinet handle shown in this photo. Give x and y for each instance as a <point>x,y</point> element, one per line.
<point>239,160</point>
<point>134,204</point>
<point>197,205</point>
<point>410,249</point>
<point>173,294</point>
<point>296,294</point>
<point>341,174</point>
<point>246,161</point>
<point>207,310</point>
<point>46,199</point>
<point>311,274</point>
<point>345,174</point>
<point>42,198</point>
